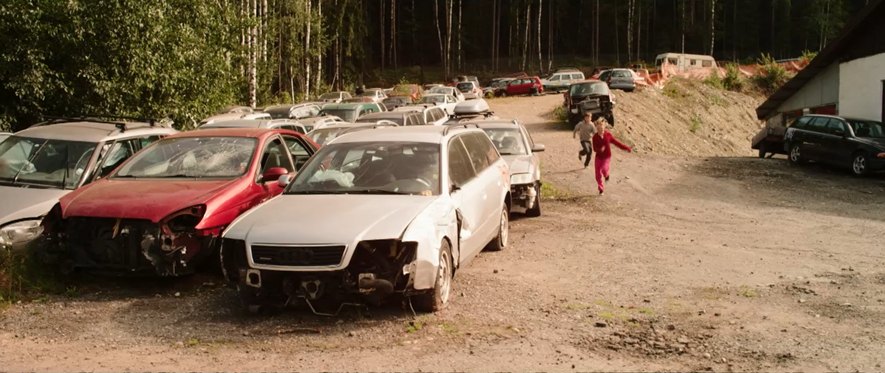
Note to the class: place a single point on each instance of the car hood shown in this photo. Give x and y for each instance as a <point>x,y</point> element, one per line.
<point>140,199</point>
<point>328,219</point>
<point>519,164</point>
<point>27,203</point>
<point>876,142</point>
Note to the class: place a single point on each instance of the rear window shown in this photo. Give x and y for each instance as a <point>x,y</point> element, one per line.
<point>465,86</point>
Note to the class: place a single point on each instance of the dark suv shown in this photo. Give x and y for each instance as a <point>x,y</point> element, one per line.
<point>856,143</point>
<point>591,96</point>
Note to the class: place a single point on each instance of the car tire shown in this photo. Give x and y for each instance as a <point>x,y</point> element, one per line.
<point>535,211</point>
<point>860,165</point>
<point>503,94</point>
<point>501,240</point>
<point>437,298</point>
<point>795,155</point>
<point>762,150</point>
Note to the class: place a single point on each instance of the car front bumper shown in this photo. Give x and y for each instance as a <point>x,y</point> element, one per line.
<point>524,196</point>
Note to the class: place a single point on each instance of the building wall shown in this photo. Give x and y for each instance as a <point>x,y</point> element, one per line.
<point>860,87</point>
<point>822,90</point>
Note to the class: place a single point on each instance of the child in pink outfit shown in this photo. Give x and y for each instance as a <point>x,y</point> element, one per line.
<point>602,142</point>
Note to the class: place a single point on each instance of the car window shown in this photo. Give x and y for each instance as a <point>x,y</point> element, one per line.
<point>118,152</point>
<point>817,124</point>
<point>555,78</point>
<point>509,141</point>
<point>298,150</point>
<point>479,147</point>
<point>834,126</point>
<point>867,128</point>
<point>460,166</point>
<point>275,155</point>
<point>802,122</point>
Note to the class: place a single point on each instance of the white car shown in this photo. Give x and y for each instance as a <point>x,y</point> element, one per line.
<point>433,115</point>
<point>376,94</point>
<point>520,151</point>
<point>234,116</point>
<point>443,101</point>
<point>376,213</point>
<point>335,97</point>
<point>328,133</point>
<point>286,124</point>
<point>451,91</point>
<point>320,122</point>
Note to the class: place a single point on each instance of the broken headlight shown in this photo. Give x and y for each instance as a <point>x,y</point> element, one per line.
<point>185,220</point>
<point>517,179</point>
<point>20,232</point>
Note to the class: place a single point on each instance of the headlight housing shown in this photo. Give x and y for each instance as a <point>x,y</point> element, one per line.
<point>20,232</point>
<point>185,220</point>
<point>516,179</point>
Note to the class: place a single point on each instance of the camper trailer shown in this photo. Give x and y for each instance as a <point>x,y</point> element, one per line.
<point>685,62</point>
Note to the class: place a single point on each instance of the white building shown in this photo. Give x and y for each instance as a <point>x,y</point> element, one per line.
<point>847,78</point>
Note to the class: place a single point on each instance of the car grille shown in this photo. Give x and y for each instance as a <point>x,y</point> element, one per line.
<point>298,255</point>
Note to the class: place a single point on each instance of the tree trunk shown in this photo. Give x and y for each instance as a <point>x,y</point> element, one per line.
<point>393,37</point>
<point>307,52</point>
<point>381,33</point>
<point>550,20</point>
<point>494,54</point>
<point>448,65</point>
<point>442,50</point>
<point>319,74</point>
<point>596,43</point>
<point>630,8</point>
<point>460,51</point>
<point>253,57</point>
<point>712,26</point>
<point>540,56</point>
<point>525,43</point>
<point>637,56</point>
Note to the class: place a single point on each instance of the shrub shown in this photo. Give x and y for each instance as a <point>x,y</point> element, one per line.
<point>671,90</point>
<point>808,55</point>
<point>695,124</point>
<point>771,75</point>
<point>22,273</point>
<point>714,80</point>
<point>560,113</point>
<point>733,80</point>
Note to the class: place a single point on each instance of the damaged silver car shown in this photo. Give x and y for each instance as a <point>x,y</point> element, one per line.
<point>393,214</point>
<point>520,151</point>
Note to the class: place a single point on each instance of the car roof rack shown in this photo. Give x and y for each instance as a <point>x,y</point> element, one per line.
<point>459,125</point>
<point>108,119</point>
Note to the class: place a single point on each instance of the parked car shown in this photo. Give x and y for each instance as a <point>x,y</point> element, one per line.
<point>623,79</point>
<point>857,144</point>
<point>591,96</point>
<point>45,162</point>
<point>286,124</point>
<point>522,86</point>
<point>562,79</point>
<point>452,91</point>
<point>430,114</point>
<point>493,87</point>
<point>235,109</point>
<point>444,101</point>
<point>471,111</point>
<point>412,91</point>
<point>296,111</point>
<point>323,136</point>
<point>349,112</point>
<point>388,208</point>
<point>394,102</point>
<point>376,94</point>
<point>430,86</point>
<point>400,118</point>
<point>4,135</point>
<point>234,116</point>
<point>770,140</point>
<point>519,150</point>
<point>335,97</point>
<point>311,124</point>
<point>470,89</point>
<point>163,210</point>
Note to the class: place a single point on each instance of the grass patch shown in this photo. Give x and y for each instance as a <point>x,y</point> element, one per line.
<point>671,90</point>
<point>414,326</point>
<point>23,275</point>
<point>549,191</point>
<point>695,124</point>
<point>748,292</point>
<point>560,113</point>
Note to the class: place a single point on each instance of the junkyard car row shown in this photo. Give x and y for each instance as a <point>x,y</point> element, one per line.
<point>396,204</point>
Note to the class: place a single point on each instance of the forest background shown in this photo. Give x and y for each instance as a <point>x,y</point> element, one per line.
<point>184,59</point>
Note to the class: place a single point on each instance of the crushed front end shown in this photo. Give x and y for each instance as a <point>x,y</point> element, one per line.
<point>118,246</point>
<point>524,195</point>
<point>283,275</point>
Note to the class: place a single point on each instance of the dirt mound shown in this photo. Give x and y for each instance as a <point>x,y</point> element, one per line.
<point>687,118</point>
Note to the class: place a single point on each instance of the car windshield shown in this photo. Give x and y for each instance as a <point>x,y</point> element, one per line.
<point>42,162</point>
<point>867,128</point>
<point>348,115</point>
<point>586,89</point>
<point>330,96</point>
<point>191,157</point>
<point>279,112</point>
<point>433,99</point>
<point>371,168</point>
<point>465,86</point>
<point>324,135</point>
<point>508,140</point>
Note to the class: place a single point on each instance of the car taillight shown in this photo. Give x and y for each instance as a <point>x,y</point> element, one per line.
<point>880,155</point>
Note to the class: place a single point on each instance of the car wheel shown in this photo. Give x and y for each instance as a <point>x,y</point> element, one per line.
<point>859,164</point>
<point>535,211</point>
<point>438,297</point>
<point>762,150</point>
<point>500,241</point>
<point>503,94</point>
<point>796,154</point>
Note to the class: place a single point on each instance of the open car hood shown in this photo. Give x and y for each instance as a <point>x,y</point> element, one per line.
<point>140,199</point>
<point>328,218</point>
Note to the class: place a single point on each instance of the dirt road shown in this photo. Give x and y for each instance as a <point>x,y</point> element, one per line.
<point>730,263</point>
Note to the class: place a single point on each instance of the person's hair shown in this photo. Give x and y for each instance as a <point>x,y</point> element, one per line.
<point>588,114</point>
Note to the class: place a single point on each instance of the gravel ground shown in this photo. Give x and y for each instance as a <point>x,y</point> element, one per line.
<point>687,263</point>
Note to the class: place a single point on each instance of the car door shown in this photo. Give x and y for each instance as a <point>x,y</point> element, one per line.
<point>467,193</point>
<point>811,138</point>
<point>299,149</point>
<point>491,176</point>
<point>273,154</point>
<point>836,147</point>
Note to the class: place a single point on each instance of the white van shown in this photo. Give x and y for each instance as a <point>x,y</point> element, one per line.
<point>685,61</point>
<point>562,79</point>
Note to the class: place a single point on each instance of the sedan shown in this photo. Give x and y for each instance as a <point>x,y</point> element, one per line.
<point>393,212</point>
<point>335,97</point>
<point>164,209</point>
<point>520,151</point>
<point>451,91</point>
<point>443,101</point>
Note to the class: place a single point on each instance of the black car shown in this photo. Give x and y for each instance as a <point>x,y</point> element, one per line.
<point>857,144</point>
<point>591,96</point>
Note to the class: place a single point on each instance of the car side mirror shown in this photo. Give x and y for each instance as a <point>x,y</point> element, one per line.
<point>284,180</point>
<point>538,148</point>
<point>274,173</point>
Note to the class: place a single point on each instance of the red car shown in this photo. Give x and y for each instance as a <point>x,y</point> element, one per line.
<point>164,209</point>
<point>522,86</point>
